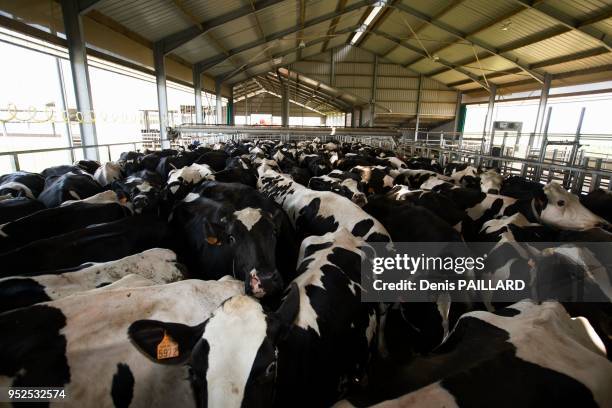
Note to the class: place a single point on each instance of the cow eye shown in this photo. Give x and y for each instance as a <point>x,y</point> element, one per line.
<point>232,239</point>
<point>560,203</point>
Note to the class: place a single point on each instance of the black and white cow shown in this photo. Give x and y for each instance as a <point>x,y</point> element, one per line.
<point>107,173</point>
<point>81,343</point>
<point>158,265</point>
<point>90,166</point>
<point>14,208</point>
<point>56,221</point>
<point>216,239</point>
<point>96,243</point>
<point>21,184</point>
<point>320,336</point>
<point>319,212</point>
<point>491,181</point>
<point>143,189</point>
<point>524,355</point>
<point>346,184</point>
<point>69,186</point>
<point>599,202</point>
<point>181,181</point>
<point>376,179</point>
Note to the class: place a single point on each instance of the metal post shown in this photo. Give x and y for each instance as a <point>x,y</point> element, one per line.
<point>80,76</point>
<point>584,163</point>
<point>332,68</point>
<point>219,100</point>
<point>230,108</point>
<point>360,116</point>
<point>418,108</point>
<point>457,111</point>
<point>373,98</point>
<point>567,180</point>
<point>162,96</point>
<point>551,172</point>
<point>543,146</point>
<point>596,178</point>
<point>543,103</point>
<point>285,104</point>
<point>64,106</point>
<point>488,119</point>
<point>197,89</point>
<point>353,114</point>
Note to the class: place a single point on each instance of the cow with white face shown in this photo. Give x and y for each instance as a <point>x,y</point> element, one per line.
<point>319,337</point>
<point>376,179</point>
<point>180,181</point>
<point>491,182</point>
<point>563,210</point>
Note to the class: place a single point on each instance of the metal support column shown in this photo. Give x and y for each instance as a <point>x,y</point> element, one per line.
<point>197,89</point>
<point>219,105</point>
<point>231,115</point>
<point>332,68</point>
<point>489,118</point>
<point>353,117</point>
<point>64,106</point>
<point>162,95</point>
<point>568,179</point>
<point>418,109</point>
<point>285,104</point>
<point>543,146</point>
<point>542,105</point>
<point>80,75</point>
<point>373,96</point>
<point>457,111</point>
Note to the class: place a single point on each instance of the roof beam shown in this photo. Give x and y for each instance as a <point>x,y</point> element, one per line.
<point>469,38</point>
<point>424,24</point>
<point>86,5</point>
<point>282,54</point>
<point>562,75</point>
<point>584,27</point>
<point>300,23</point>
<point>217,59</point>
<point>329,99</point>
<point>333,23</point>
<point>440,61</point>
<point>175,40</point>
<point>381,19</point>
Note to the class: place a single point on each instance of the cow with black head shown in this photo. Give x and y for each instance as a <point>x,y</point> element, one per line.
<point>218,240</point>
<point>143,190</point>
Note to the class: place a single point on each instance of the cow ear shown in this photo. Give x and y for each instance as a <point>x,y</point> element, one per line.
<point>288,310</point>
<point>165,343</point>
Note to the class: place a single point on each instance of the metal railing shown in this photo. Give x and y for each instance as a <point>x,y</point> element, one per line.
<point>75,152</point>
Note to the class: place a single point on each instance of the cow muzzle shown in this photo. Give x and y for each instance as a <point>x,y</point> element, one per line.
<point>261,284</point>
<point>493,191</point>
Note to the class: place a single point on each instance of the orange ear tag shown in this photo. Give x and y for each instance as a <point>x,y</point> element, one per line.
<point>167,348</point>
<point>213,241</point>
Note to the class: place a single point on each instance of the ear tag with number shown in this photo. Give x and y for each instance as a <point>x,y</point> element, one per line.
<point>167,348</point>
<point>213,241</point>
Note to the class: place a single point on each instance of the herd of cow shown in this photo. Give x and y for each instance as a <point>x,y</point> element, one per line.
<point>230,276</point>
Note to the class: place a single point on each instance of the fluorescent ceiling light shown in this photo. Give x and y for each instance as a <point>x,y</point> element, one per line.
<point>366,23</point>
<point>356,37</point>
<point>372,15</point>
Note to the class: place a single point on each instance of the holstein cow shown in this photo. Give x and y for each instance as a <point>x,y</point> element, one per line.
<point>319,212</point>
<point>96,243</point>
<point>344,183</point>
<point>21,184</point>
<point>599,202</point>
<point>15,208</point>
<point>376,179</point>
<point>56,221</point>
<point>107,173</point>
<point>563,210</point>
<point>69,186</point>
<point>181,181</point>
<point>491,181</point>
<point>463,174</point>
<point>217,240</point>
<point>524,355</point>
<point>158,265</point>
<point>319,336</point>
<point>144,191</point>
<point>81,343</point>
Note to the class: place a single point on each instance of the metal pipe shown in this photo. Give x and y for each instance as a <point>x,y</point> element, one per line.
<point>542,105</point>
<point>64,106</point>
<point>489,117</point>
<point>162,96</point>
<point>197,90</point>
<point>80,75</point>
<point>543,145</point>
<point>219,102</point>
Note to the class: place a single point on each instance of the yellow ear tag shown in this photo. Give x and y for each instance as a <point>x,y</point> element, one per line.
<point>212,240</point>
<point>167,348</point>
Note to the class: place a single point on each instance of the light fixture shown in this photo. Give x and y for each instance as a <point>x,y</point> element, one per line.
<point>302,44</point>
<point>362,28</point>
<point>506,25</point>
<point>435,57</point>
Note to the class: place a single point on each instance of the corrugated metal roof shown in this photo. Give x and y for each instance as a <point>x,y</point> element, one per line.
<point>152,19</point>
<point>509,36</point>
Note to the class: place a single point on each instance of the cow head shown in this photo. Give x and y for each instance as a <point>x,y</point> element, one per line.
<point>563,210</point>
<point>181,180</point>
<point>144,195</point>
<point>233,355</point>
<point>491,182</point>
